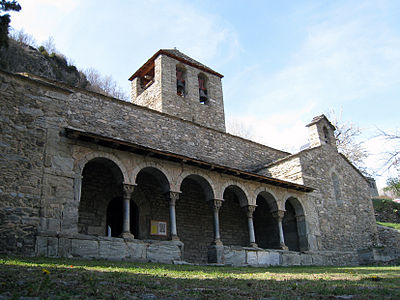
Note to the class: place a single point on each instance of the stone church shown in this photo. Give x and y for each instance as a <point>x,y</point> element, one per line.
<point>159,179</point>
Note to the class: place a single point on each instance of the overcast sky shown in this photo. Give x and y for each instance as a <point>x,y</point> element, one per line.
<point>284,62</point>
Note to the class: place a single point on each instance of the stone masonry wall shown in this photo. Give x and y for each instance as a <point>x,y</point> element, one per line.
<point>23,136</point>
<point>46,197</point>
<point>390,239</point>
<point>348,224</point>
<point>208,114</point>
<point>118,119</point>
<point>288,169</point>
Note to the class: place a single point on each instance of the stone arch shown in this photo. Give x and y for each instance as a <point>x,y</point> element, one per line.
<point>294,225</point>
<point>240,189</point>
<point>203,180</point>
<point>101,183</point>
<point>265,222</point>
<point>80,164</point>
<point>151,201</point>
<point>156,170</point>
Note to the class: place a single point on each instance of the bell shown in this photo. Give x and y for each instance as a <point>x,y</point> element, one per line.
<point>180,84</point>
<point>180,87</point>
<point>203,95</point>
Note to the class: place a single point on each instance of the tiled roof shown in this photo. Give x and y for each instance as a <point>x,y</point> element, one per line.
<point>176,54</point>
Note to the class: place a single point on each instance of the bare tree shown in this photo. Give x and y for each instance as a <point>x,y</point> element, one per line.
<point>239,128</point>
<point>50,46</point>
<point>346,140</point>
<point>392,140</point>
<point>22,37</point>
<point>104,84</point>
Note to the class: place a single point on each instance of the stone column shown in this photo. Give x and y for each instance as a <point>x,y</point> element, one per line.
<point>278,215</point>
<point>216,249</point>
<point>126,223</point>
<point>216,205</point>
<point>172,197</point>
<point>252,237</point>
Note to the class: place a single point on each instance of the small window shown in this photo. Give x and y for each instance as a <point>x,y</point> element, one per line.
<point>336,189</point>
<point>326,135</point>
<point>180,81</point>
<point>203,92</point>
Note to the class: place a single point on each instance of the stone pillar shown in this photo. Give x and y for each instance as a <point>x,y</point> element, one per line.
<point>216,249</point>
<point>252,237</point>
<point>172,197</point>
<point>216,205</point>
<point>126,223</point>
<point>278,215</point>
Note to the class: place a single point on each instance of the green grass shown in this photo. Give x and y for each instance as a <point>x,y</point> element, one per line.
<point>79,279</point>
<point>393,225</point>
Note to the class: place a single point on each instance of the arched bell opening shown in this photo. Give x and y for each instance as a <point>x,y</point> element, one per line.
<point>115,217</point>
<point>101,182</point>
<point>203,88</point>
<point>194,218</point>
<point>294,226</point>
<point>232,217</point>
<point>180,80</point>
<point>150,204</point>
<point>265,224</point>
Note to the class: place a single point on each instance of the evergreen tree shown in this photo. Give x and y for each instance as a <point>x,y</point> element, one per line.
<point>6,5</point>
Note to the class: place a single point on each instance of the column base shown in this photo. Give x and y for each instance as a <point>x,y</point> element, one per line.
<point>217,243</point>
<point>127,236</point>
<point>283,247</point>
<point>175,238</point>
<point>253,245</point>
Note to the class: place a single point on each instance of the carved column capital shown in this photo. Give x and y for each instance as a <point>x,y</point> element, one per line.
<point>250,210</point>
<point>216,203</point>
<point>172,197</point>
<point>278,215</point>
<point>128,190</point>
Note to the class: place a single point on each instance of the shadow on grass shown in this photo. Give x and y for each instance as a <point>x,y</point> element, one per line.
<point>65,278</point>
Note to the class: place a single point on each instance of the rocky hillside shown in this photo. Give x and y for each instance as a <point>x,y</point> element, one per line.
<point>20,58</point>
<point>386,210</point>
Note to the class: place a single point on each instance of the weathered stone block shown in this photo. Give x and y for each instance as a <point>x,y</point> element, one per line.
<point>52,246</point>
<point>234,257</point>
<point>291,259</point>
<point>113,250</point>
<point>164,252</point>
<point>85,248</point>
<point>41,246</point>
<point>64,247</point>
<point>136,251</point>
<point>268,258</point>
<point>251,257</point>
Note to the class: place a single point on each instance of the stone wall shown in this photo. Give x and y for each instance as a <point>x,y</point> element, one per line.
<point>390,240</point>
<point>287,169</point>
<point>347,223</point>
<point>208,114</point>
<point>91,247</point>
<point>41,188</point>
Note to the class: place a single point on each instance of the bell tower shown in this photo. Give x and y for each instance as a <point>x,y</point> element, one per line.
<point>321,132</point>
<point>173,83</point>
